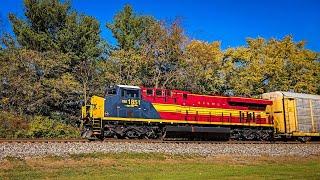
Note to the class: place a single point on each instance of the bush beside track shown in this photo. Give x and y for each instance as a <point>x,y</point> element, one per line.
<point>17,126</point>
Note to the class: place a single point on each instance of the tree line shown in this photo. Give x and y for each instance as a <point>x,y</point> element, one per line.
<point>56,59</point>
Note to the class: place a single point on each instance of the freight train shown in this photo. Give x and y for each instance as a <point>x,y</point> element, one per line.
<point>151,113</point>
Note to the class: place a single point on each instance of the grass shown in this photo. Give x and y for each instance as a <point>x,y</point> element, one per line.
<point>159,166</point>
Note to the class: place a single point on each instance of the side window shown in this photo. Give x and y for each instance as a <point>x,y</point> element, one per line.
<point>185,96</point>
<point>159,92</point>
<point>149,92</point>
<point>123,92</point>
<point>168,93</point>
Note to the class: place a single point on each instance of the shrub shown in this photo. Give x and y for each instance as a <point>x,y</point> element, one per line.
<point>12,125</point>
<point>16,126</point>
<point>43,127</point>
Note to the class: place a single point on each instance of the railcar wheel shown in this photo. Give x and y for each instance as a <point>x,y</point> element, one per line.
<point>304,139</point>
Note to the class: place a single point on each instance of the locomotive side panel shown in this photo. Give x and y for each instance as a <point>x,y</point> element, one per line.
<point>204,109</point>
<point>133,112</point>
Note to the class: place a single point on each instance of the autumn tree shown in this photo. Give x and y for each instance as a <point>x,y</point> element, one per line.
<point>52,26</point>
<point>265,66</point>
<point>36,83</point>
<point>149,51</point>
<point>74,44</point>
<point>205,67</point>
<point>163,50</point>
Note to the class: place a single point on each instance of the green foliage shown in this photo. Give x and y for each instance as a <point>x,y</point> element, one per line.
<point>205,68</point>
<point>18,126</point>
<point>38,83</point>
<point>43,127</point>
<point>163,48</point>
<point>44,21</point>
<point>52,26</point>
<point>265,66</point>
<point>55,66</point>
<point>12,125</point>
<point>129,28</point>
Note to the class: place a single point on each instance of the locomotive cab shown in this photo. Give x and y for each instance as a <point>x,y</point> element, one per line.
<point>130,95</point>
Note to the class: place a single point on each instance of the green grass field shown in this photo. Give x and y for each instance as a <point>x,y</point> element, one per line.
<point>160,166</point>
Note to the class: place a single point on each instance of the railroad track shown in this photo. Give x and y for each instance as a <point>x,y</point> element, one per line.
<point>42,140</point>
<point>147,141</point>
<point>204,142</point>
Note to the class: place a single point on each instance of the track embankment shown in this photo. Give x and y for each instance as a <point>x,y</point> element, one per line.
<point>24,148</point>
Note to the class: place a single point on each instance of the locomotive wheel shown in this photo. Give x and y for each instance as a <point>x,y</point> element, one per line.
<point>132,134</point>
<point>249,135</point>
<point>150,134</point>
<point>265,136</point>
<point>86,132</point>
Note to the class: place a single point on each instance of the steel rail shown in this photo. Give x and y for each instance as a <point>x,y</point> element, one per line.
<point>112,140</point>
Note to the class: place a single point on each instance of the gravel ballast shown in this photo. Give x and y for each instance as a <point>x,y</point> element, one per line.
<point>22,150</point>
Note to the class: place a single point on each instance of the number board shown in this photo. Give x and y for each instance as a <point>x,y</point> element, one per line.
<point>131,102</point>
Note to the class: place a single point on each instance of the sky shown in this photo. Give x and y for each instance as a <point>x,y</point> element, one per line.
<point>227,21</point>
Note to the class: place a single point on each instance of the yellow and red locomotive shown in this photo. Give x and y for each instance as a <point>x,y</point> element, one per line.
<point>138,112</point>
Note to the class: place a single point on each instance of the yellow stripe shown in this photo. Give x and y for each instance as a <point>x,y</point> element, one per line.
<point>168,121</point>
<point>305,134</point>
<point>201,110</point>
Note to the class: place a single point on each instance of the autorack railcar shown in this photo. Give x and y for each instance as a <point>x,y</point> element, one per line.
<point>295,115</point>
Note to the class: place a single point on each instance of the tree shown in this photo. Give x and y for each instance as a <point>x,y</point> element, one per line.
<point>45,18</point>
<point>128,28</point>
<point>204,67</point>
<point>38,84</point>
<point>149,52</point>
<point>162,47</point>
<point>52,26</point>
<point>81,39</point>
<point>63,45</point>
<point>273,65</point>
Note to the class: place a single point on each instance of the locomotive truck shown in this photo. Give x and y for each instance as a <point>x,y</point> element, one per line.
<point>152,113</point>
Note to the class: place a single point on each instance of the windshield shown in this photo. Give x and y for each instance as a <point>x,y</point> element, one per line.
<point>130,93</point>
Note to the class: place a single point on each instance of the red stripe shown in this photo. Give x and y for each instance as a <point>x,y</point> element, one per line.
<point>207,118</point>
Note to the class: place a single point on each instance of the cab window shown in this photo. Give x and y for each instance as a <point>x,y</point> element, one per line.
<point>110,92</point>
<point>130,93</point>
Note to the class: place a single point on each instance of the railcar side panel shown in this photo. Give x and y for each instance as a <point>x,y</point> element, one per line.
<point>295,114</point>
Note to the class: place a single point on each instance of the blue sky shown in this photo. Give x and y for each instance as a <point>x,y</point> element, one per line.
<point>228,21</point>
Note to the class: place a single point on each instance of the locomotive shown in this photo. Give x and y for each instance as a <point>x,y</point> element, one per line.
<point>138,112</point>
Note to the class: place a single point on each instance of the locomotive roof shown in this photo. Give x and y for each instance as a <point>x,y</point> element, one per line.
<point>297,95</point>
<point>129,87</point>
